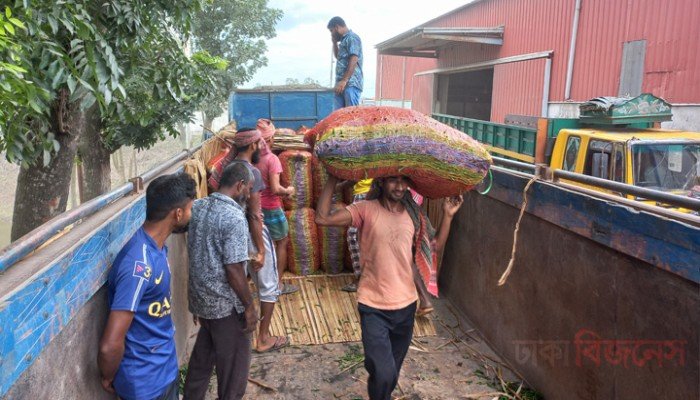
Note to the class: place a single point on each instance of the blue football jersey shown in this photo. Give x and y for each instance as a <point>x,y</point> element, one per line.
<point>140,282</point>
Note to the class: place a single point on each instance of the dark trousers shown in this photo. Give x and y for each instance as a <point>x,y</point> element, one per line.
<point>224,344</point>
<point>171,392</point>
<point>386,336</point>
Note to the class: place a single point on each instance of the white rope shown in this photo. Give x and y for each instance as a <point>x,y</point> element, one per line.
<point>508,270</point>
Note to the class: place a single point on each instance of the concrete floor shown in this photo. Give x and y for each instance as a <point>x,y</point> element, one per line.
<point>455,364</point>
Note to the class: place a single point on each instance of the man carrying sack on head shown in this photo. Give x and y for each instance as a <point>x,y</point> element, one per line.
<point>397,242</point>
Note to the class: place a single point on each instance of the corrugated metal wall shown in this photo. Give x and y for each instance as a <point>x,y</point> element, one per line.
<point>517,89</point>
<point>671,29</point>
<point>391,73</point>
<point>423,93</point>
<point>672,63</point>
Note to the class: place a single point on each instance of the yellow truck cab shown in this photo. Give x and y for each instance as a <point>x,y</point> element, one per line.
<point>614,138</point>
<point>659,159</point>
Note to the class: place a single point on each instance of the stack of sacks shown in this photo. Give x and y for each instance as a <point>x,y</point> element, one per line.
<point>303,249</point>
<point>296,171</point>
<point>320,176</point>
<point>371,142</point>
<point>287,139</point>
<point>332,242</point>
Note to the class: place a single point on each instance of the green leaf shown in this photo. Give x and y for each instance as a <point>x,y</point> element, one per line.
<point>8,26</point>
<point>57,78</point>
<point>72,83</point>
<point>33,104</point>
<point>54,24</point>
<point>8,12</point>
<point>88,101</point>
<point>17,23</point>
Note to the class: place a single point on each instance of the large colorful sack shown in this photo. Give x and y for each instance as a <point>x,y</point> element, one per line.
<point>303,253</point>
<point>371,142</point>
<point>319,177</point>
<point>296,171</point>
<point>332,241</point>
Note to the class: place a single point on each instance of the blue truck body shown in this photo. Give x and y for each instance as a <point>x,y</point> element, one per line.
<point>286,108</point>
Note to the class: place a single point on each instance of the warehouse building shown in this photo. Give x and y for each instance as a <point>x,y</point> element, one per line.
<point>492,58</point>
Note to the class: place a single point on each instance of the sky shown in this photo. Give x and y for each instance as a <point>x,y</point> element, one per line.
<point>302,48</point>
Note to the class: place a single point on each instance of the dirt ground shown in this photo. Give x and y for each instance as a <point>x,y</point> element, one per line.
<point>455,364</point>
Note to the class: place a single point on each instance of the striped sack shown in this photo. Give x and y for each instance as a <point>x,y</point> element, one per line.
<point>372,142</point>
<point>332,241</point>
<point>296,171</point>
<point>302,249</point>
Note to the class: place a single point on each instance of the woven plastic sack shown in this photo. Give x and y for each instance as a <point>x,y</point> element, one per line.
<point>303,252</point>
<point>319,177</point>
<point>332,242</point>
<point>296,171</point>
<point>371,142</point>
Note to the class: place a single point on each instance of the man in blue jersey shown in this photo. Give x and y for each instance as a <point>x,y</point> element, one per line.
<point>347,48</point>
<point>137,357</point>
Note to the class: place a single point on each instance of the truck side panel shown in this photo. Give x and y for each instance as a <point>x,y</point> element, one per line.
<point>287,109</point>
<point>597,292</point>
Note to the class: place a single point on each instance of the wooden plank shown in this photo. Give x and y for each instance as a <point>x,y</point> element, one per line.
<point>322,313</point>
<point>36,311</point>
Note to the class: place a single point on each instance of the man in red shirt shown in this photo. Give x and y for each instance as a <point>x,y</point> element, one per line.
<point>386,294</point>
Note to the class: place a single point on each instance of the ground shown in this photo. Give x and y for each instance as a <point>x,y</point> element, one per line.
<point>455,364</point>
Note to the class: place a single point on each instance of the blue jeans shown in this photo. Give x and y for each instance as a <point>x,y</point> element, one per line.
<point>350,97</point>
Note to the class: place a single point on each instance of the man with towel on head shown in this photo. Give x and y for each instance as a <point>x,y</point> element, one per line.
<point>248,142</point>
<point>275,220</point>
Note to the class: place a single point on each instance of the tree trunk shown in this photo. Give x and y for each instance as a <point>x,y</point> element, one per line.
<point>42,191</point>
<point>97,171</point>
<point>208,121</point>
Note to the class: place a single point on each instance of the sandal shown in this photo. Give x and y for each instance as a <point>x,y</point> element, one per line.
<point>280,343</point>
<point>422,312</point>
<point>288,288</point>
<point>350,287</point>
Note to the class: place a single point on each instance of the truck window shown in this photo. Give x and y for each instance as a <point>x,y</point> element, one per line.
<point>598,159</point>
<point>617,166</point>
<point>572,146</point>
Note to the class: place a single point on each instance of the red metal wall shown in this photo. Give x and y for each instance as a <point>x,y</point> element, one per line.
<point>517,89</point>
<point>671,28</point>
<point>423,89</point>
<point>390,72</point>
<point>672,63</point>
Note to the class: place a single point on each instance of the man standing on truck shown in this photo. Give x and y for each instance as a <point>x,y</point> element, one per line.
<point>137,357</point>
<point>248,142</point>
<point>347,48</point>
<point>219,295</point>
<point>391,223</point>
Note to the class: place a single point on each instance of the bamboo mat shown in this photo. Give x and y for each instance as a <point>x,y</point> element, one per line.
<point>322,313</point>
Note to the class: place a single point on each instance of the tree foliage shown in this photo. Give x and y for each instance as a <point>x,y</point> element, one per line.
<point>126,56</point>
<point>235,30</point>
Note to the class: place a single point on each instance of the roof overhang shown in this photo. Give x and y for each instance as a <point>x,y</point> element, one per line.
<point>425,41</point>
